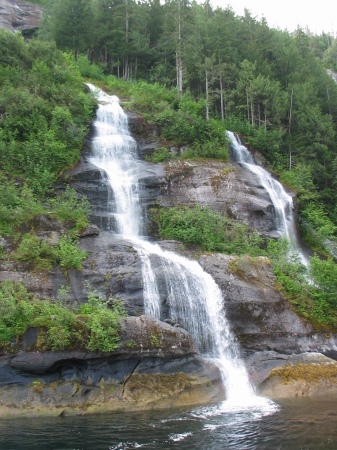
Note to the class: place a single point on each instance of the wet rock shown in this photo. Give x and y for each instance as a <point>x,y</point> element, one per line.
<point>223,187</point>
<point>18,15</point>
<point>90,230</point>
<point>156,366</point>
<point>258,313</point>
<point>293,376</point>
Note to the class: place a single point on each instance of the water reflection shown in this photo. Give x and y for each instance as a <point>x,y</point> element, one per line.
<point>298,424</point>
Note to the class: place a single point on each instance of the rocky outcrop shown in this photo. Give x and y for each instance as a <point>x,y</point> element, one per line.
<point>259,314</point>
<point>156,366</point>
<point>224,187</point>
<point>17,15</point>
<point>280,376</point>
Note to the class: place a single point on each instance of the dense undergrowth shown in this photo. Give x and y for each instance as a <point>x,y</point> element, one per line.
<point>212,231</point>
<point>44,117</point>
<point>92,326</point>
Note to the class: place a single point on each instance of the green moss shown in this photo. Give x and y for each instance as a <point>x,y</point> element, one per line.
<point>311,373</point>
<point>162,384</point>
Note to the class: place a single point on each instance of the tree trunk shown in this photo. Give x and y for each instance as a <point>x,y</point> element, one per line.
<point>291,108</point>
<point>222,99</point>
<point>327,90</point>
<point>252,111</point>
<point>207,108</point>
<point>247,106</point>
<point>179,58</point>
<point>258,106</point>
<point>126,67</point>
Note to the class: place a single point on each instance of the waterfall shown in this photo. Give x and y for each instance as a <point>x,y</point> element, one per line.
<point>193,297</point>
<point>282,202</point>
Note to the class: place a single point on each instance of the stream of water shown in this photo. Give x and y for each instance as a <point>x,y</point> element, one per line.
<point>195,301</point>
<point>281,200</point>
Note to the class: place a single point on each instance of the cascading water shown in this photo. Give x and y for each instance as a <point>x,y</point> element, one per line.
<point>282,202</point>
<point>194,299</point>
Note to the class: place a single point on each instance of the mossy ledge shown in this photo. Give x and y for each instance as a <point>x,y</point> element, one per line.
<point>137,392</point>
<point>301,380</point>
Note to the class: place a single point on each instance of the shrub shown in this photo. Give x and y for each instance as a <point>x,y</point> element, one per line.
<point>208,229</point>
<point>93,326</point>
<point>69,256</point>
<point>68,208</point>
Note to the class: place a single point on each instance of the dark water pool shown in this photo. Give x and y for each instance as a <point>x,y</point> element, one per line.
<point>300,424</point>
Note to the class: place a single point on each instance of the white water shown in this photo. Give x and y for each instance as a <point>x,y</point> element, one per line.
<point>194,299</point>
<point>283,203</point>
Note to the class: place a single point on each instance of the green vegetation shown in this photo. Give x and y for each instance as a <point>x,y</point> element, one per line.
<point>160,155</point>
<point>44,255</point>
<point>179,122</point>
<point>44,115</point>
<point>43,111</point>
<point>313,291</point>
<point>207,229</point>
<point>193,72</point>
<point>92,326</point>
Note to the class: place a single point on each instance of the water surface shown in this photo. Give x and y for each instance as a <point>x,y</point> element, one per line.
<point>298,424</point>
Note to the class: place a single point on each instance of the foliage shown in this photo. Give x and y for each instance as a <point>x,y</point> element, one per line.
<point>68,254</point>
<point>160,155</point>
<point>313,291</point>
<point>44,255</point>
<point>44,112</point>
<point>324,287</point>
<point>210,230</point>
<point>40,253</point>
<point>316,226</point>
<point>267,84</point>
<point>68,208</point>
<point>18,205</point>
<point>93,326</point>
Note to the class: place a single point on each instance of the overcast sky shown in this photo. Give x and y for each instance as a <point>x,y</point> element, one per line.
<point>318,15</point>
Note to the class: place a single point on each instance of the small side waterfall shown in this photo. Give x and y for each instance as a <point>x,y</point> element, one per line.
<point>283,203</point>
<point>195,300</point>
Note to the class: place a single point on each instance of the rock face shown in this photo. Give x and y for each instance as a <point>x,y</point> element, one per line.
<point>224,187</point>
<point>156,366</point>
<point>17,15</point>
<point>258,313</point>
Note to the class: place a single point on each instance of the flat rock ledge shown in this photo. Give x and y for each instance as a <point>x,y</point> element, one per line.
<point>294,376</point>
<point>155,367</point>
